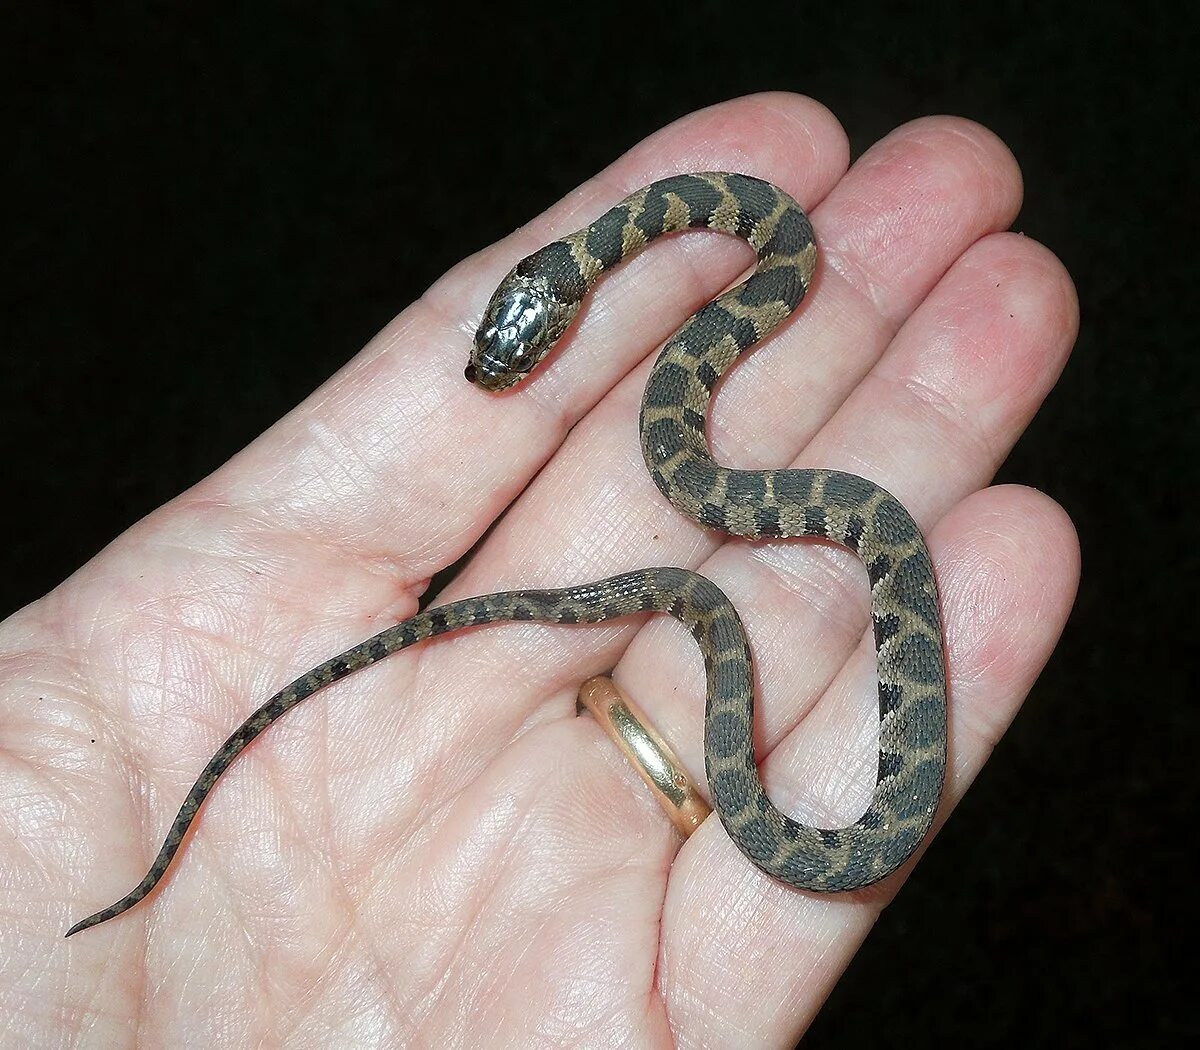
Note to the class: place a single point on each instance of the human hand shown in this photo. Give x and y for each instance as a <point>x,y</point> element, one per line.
<point>438,850</point>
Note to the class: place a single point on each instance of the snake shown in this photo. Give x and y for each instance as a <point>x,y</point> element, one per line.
<point>533,307</point>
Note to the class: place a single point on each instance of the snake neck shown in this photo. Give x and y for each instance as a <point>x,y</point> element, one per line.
<point>538,300</point>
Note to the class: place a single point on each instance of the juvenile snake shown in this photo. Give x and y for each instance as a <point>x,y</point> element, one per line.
<point>532,308</point>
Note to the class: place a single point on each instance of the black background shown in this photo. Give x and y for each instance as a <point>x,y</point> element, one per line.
<point>215,208</point>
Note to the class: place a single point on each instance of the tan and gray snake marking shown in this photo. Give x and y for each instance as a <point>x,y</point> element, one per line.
<point>531,309</point>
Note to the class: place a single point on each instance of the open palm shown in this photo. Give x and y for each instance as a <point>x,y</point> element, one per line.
<point>439,851</point>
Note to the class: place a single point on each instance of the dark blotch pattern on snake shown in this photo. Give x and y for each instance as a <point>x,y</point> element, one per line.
<point>531,309</point>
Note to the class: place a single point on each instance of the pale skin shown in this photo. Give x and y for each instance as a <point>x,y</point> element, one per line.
<point>439,851</point>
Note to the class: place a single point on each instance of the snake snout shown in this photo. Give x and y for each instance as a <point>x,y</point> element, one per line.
<point>491,379</point>
<point>502,357</point>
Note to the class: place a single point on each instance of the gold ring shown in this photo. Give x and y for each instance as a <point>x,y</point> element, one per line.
<point>650,755</point>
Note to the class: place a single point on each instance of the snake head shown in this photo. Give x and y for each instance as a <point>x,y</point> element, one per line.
<point>521,324</point>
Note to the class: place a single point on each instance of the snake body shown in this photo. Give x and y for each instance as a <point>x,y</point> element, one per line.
<point>532,308</point>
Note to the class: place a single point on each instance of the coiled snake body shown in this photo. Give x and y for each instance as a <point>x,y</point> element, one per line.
<point>530,310</point>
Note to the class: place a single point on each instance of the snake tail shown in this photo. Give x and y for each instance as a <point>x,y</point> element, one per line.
<point>691,598</point>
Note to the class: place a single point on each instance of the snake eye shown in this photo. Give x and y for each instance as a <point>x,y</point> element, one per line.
<point>469,373</point>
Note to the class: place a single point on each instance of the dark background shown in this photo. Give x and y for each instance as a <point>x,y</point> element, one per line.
<point>215,209</point>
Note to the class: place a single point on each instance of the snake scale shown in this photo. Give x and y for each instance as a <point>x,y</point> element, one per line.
<point>529,312</point>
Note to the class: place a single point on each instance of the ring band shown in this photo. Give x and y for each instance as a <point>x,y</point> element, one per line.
<point>649,754</point>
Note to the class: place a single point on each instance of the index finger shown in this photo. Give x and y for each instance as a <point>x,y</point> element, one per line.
<point>396,457</point>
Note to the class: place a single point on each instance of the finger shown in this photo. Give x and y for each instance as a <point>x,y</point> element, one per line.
<point>399,458</point>
<point>930,423</point>
<point>886,234</point>
<point>746,960</point>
